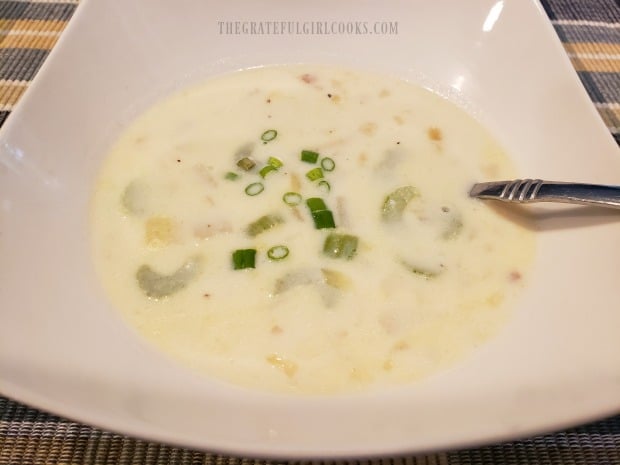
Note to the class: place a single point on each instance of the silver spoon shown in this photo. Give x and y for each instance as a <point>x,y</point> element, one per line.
<point>535,190</point>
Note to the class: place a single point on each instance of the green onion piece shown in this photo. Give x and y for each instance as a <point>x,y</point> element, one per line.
<point>269,135</point>
<point>324,186</point>
<point>340,246</point>
<point>264,223</point>
<point>395,203</point>
<point>314,174</point>
<point>292,199</point>
<point>328,164</point>
<point>275,162</point>
<point>323,219</point>
<point>265,170</point>
<point>424,273</point>
<point>254,189</point>
<point>309,156</point>
<point>246,163</point>
<point>244,258</point>
<point>316,204</point>
<point>231,176</point>
<point>278,252</point>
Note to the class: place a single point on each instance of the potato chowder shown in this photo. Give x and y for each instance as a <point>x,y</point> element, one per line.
<point>307,229</point>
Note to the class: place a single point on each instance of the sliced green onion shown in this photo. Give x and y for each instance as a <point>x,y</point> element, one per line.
<point>292,199</point>
<point>316,204</point>
<point>275,162</point>
<point>244,258</point>
<point>265,170</point>
<point>395,203</point>
<point>340,246</point>
<point>269,135</point>
<point>328,164</point>
<point>323,219</point>
<point>246,163</point>
<point>254,189</point>
<point>264,223</point>
<point>231,176</point>
<point>324,186</point>
<point>278,252</point>
<point>309,156</point>
<point>314,174</point>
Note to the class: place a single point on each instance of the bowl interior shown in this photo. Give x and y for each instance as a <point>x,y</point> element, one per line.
<point>63,349</point>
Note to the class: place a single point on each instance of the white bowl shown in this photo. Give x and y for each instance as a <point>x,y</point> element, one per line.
<point>64,350</point>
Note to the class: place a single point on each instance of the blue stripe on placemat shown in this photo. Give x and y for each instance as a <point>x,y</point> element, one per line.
<point>585,33</point>
<point>582,10</point>
<point>20,64</point>
<point>43,11</point>
<point>602,87</point>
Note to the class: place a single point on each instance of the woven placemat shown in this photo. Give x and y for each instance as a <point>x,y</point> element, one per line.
<point>590,32</point>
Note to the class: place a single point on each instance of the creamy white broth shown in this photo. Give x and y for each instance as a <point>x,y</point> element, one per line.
<point>420,292</point>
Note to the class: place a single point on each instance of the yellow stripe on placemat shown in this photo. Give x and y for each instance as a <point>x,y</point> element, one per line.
<point>595,64</point>
<point>38,34</point>
<point>10,92</point>
<point>9,25</point>
<point>45,42</point>
<point>594,56</point>
<point>592,47</point>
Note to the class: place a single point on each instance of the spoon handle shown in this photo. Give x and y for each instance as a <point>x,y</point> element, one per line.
<point>535,190</point>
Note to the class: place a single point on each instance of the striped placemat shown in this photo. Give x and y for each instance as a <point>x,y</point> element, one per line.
<point>590,32</point>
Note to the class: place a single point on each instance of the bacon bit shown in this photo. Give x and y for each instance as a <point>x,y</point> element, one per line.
<point>308,78</point>
<point>342,211</point>
<point>297,214</point>
<point>268,100</point>
<point>159,232</point>
<point>178,160</point>
<point>275,329</point>
<point>401,345</point>
<point>384,93</point>
<point>435,134</point>
<point>491,170</point>
<point>289,368</point>
<point>368,128</point>
<point>397,142</point>
<point>295,182</point>
<point>399,120</point>
<point>206,295</point>
<point>495,299</point>
<point>205,175</point>
<point>329,95</point>
<point>515,276</point>
<point>204,231</point>
<point>359,374</point>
